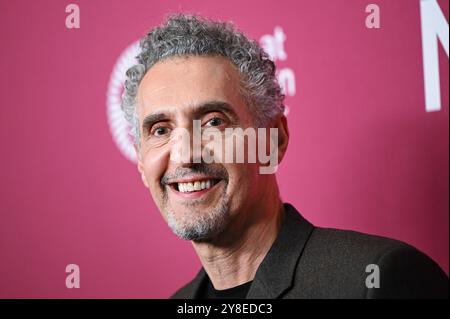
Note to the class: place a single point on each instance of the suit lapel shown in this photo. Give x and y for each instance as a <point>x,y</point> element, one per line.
<point>195,285</point>
<point>276,273</point>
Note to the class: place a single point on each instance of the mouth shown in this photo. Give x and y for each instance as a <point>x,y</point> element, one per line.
<point>194,186</point>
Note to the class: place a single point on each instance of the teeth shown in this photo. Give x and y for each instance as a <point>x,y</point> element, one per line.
<point>194,186</point>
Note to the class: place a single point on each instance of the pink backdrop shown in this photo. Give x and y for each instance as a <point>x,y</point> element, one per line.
<point>364,154</point>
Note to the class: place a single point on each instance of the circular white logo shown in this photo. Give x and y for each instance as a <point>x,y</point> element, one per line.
<point>118,125</point>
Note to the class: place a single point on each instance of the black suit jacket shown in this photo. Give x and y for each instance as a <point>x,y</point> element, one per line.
<point>312,262</point>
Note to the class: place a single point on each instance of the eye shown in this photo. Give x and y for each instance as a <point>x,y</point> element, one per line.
<point>215,121</point>
<point>160,131</point>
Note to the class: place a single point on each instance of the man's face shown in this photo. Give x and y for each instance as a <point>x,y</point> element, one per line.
<point>172,94</point>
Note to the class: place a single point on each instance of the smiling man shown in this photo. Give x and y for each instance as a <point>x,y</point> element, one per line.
<point>200,78</point>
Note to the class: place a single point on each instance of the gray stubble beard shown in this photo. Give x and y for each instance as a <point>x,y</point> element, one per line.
<point>190,225</point>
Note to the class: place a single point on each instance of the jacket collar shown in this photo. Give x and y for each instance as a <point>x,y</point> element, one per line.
<point>276,272</point>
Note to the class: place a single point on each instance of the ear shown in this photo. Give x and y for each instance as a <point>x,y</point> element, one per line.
<point>283,136</point>
<point>140,166</point>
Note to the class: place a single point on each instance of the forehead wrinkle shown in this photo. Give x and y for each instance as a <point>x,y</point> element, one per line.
<point>144,98</point>
<point>155,90</point>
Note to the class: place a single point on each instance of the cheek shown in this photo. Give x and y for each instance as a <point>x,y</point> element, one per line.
<point>155,164</point>
<point>242,188</point>
<point>242,179</point>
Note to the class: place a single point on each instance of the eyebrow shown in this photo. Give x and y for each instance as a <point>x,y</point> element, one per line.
<point>215,106</point>
<point>207,107</point>
<point>151,119</point>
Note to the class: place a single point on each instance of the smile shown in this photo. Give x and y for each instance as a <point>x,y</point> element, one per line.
<point>194,186</point>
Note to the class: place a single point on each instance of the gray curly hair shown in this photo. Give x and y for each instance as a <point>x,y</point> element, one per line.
<point>184,35</point>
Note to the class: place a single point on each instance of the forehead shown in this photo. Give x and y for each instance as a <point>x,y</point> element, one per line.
<point>179,83</point>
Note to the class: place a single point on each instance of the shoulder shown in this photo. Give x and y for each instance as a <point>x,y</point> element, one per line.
<point>184,292</point>
<point>345,243</point>
<point>337,264</point>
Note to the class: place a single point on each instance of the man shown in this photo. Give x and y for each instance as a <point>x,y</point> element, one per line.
<point>195,76</point>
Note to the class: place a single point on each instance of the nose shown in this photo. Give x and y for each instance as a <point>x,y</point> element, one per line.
<point>186,145</point>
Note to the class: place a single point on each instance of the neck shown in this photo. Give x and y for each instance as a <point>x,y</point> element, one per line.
<point>234,258</point>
